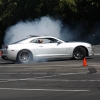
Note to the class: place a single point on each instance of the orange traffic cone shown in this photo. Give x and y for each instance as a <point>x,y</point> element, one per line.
<point>84,62</point>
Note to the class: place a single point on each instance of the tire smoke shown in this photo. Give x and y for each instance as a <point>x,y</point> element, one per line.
<point>39,27</point>
<point>51,27</point>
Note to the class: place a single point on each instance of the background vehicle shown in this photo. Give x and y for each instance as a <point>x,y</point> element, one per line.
<point>30,49</point>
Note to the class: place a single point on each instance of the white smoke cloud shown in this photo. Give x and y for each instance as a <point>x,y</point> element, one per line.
<point>43,26</point>
<point>48,26</point>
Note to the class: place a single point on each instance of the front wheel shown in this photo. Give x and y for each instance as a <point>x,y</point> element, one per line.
<point>79,53</point>
<point>24,56</point>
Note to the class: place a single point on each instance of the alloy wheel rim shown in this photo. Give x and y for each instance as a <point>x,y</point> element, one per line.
<point>24,56</point>
<point>78,55</point>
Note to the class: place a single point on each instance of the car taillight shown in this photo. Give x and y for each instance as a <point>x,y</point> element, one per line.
<point>5,47</point>
<point>0,53</point>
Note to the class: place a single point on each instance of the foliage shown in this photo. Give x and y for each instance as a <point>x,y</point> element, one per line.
<point>69,11</point>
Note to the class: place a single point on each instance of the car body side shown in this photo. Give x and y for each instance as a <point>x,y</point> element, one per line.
<point>13,49</point>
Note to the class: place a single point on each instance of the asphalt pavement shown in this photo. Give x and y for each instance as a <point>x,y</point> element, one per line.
<point>63,79</point>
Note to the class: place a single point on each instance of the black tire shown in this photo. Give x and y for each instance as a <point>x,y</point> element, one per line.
<point>24,57</point>
<point>79,53</point>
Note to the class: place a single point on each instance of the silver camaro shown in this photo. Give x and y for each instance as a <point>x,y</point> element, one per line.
<point>43,47</point>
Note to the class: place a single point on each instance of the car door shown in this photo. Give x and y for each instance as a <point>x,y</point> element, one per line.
<point>53,49</point>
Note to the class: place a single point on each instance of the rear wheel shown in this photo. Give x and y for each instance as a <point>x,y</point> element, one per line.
<point>79,53</point>
<point>24,56</point>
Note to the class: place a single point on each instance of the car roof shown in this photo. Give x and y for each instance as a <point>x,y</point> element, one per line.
<point>31,37</point>
<point>35,37</point>
<point>45,36</point>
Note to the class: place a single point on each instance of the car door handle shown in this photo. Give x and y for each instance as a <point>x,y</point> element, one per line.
<point>40,46</point>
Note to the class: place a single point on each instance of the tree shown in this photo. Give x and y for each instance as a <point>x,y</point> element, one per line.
<point>69,11</point>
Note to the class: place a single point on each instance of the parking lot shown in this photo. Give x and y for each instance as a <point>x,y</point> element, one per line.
<point>52,80</point>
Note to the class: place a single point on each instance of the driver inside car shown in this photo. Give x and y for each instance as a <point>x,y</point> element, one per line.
<point>40,41</point>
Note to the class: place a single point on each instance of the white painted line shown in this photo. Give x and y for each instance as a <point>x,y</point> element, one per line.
<point>7,73</point>
<point>61,74</point>
<point>96,53</point>
<point>49,80</point>
<point>32,66</point>
<point>39,73</point>
<point>20,73</point>
<point>3,81</point>
<point>78,66</point>
<point>25,73</point>
<point>94,65</point>
<point>49,90</point>
<point>55,74</point>
<point>44,77</point>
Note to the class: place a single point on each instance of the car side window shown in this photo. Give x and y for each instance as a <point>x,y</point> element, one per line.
<point>49,40</point>
<point>39,40</point>
<point>44,40</point>
<point>34,41</point>
<point>52,40</point>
